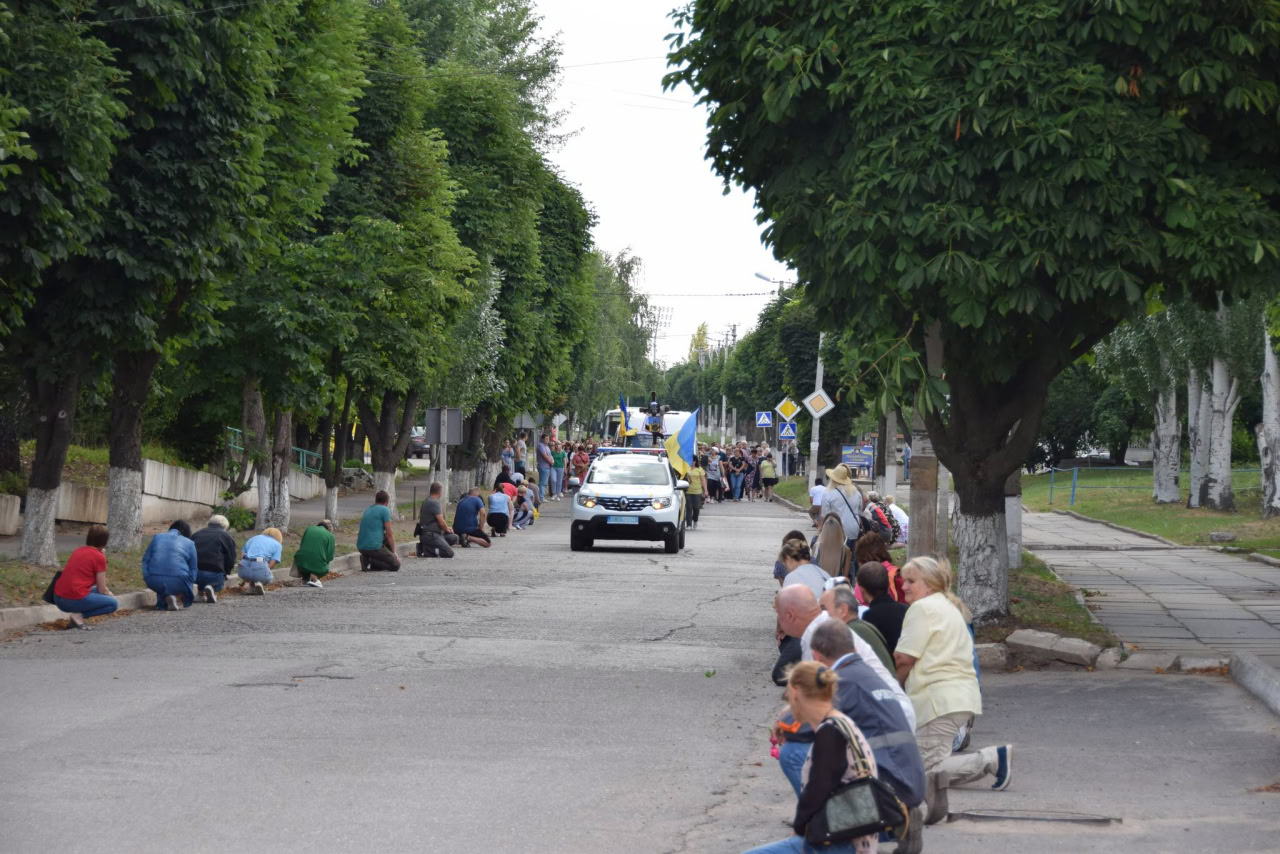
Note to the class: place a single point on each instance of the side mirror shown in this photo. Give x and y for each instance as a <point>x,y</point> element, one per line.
<point>682,484</point>
<point>574,483</point>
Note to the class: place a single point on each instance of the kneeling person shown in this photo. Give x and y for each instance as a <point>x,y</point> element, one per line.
<point>468,520</point>
<point>376,542</point>
<point>436,536</point>
<point>261,555</point>
<point>314,553</point>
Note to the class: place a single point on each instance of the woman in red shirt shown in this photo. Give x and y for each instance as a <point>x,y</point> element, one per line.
<point>81,590</point>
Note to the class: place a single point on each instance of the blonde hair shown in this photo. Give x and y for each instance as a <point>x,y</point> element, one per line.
<point>832,551</point>
<point>935,574</point>
<point>815,681</point>
<point>274,533</point>
<point>796,550</point>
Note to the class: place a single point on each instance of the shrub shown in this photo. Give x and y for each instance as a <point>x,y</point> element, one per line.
<point>241,518</point>
<point>13,483</point>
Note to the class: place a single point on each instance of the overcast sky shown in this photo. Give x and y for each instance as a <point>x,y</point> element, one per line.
<point>638,157</point>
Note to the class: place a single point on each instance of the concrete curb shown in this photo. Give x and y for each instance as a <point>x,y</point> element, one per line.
<point>785,503</point>
<point>1267,559</point>
<point>1113,525</point>
<point>1258,678</point>
<point>34,615</point>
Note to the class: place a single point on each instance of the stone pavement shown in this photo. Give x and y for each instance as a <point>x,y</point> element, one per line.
<point>1162,598</point>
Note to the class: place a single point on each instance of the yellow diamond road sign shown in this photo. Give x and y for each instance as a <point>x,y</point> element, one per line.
<point>787,409</point>
<point>818,403</point>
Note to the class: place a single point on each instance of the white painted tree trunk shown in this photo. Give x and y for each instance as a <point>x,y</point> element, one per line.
<point>1226,397</point>
<point>38,526</point>
<point>277,513</point>
<point>1268,432</point>
<point>1166,448</point>
<point>983,581</point>
<point>386,480</point>
<point>1199,419</point>
<point>264,498</point>
<point>331,505</point>
<point>124,508</point>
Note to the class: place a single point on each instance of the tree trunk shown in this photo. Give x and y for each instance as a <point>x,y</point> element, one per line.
<point>131,383</point>
<point>1226,397</point>
<point>1268,432</point>
<point>1166,450</point>
<point>243,471</point>
<point>335,426</point>
<point>389,433</point>
<point>331,504</point>
<point>1199,422</point>
<point>14,412</point>
<point>275,513</point>
<point>54,399</point>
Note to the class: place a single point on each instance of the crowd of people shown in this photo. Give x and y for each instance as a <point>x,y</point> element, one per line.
<point>880,671</point>
<point>738,472</point>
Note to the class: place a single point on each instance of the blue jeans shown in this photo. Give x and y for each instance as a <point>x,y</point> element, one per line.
<point>557,481</point>
<point>170,585</point>
<point>93,604</point>
<point>791,757</point>
<point>255,570</point>
<point>216,580</point>
<point>544,480</point>
<point>735,481</point>
<point>797,845</point>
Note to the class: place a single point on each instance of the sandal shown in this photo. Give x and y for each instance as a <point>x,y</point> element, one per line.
<point>83,626</point>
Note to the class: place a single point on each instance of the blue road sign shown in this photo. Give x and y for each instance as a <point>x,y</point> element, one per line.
<point>787,430</point>
<point>764,419</point>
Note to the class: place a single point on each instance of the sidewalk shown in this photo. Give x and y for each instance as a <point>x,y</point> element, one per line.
<point>1163,598</point>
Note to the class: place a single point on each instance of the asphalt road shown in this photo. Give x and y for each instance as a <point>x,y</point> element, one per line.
<point>521,698</point>
<point>531,699</point>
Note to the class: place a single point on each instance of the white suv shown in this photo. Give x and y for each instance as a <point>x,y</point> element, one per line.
<point>629,497</point>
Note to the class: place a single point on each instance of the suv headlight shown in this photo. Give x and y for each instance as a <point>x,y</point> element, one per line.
<point>660,503</point>
<point>587,501</point>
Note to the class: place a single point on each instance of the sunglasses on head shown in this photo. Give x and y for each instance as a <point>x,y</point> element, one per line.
<point>832,583</point>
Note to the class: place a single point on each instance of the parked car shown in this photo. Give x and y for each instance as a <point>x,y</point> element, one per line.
<point>417,444</point>
<point>628,496</point>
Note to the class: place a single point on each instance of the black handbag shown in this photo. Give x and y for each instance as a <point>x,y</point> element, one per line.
<point>860,807</point>
<point>48,593</point>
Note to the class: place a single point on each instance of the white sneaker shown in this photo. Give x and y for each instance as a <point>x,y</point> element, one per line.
<point>258,589</point>
<point>314,582</point>
<point>172,602</point>
<point>209,595</point>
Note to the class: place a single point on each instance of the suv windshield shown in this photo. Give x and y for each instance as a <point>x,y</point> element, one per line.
<point>629,473</point>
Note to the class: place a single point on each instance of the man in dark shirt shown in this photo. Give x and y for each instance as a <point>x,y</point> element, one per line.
<point>215,557</point>
<point>883,613</point>
<point>468,520</point>
<point>435,536</point>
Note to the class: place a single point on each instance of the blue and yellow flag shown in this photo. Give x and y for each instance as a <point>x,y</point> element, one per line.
<point>624,428</point>
<point>683,445</point>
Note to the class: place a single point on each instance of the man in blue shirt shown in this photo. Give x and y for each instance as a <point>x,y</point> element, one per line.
<point>468,520</point>
<point>170,566</point>
<point>545,462</point>
<point>376,542</point>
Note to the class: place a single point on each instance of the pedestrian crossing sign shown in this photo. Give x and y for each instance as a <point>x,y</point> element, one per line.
<point>764,419</point>
<point>787,430</point>
<point>787,409</point>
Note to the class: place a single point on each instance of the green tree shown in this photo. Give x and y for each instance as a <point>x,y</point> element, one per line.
<point>997,186</point>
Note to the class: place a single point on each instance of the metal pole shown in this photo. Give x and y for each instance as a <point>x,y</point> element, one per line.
<point>1075,476</point>
<point>1051,471</point>
<point>813,439</point>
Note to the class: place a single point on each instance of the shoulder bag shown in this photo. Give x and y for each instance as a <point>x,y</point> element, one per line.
<point>861,807</point>
<point>48,593</point>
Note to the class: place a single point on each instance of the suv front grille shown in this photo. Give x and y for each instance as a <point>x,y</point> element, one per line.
<point>631,504</point>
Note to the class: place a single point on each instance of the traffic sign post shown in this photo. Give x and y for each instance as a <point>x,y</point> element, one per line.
<point>764,419</point>
<point>787,430</point>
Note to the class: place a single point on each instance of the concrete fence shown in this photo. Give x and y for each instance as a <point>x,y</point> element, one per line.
<point>168,492</point>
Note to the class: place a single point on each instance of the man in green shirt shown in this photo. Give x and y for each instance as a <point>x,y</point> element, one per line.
<point>841,603</point>
<point>314,553</point>
<point>376,542</point>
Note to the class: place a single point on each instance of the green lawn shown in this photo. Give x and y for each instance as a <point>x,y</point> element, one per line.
<point>795,489</point>
<point>1124,497</point>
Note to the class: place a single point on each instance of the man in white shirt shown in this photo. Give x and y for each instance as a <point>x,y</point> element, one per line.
<point>815,500</point>
<point>799,616</point>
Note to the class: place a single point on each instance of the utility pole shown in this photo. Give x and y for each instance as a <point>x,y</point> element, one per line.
<point>813,438</point>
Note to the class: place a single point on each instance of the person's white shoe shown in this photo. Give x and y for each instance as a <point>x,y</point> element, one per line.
<point>172,602</point>
<point>258,589</point>
<point>314,582</point>
<point>209,595</point>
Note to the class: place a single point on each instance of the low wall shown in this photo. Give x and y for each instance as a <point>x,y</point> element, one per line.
<point>10,515</point>
<point>86,504</point>
<point>179,484</point>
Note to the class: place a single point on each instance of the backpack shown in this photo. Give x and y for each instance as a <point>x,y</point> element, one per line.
<point>873,519</point>
<point>894,526</point>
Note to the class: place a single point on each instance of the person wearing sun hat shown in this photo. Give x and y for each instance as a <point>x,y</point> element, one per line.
<point>843,499</point>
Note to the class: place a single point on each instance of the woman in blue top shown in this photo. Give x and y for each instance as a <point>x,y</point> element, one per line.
<point>499,511</point>
<point>169,567</point>
<point>260,555</point>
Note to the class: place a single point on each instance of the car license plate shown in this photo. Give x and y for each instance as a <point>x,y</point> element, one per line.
<point>624,520</point>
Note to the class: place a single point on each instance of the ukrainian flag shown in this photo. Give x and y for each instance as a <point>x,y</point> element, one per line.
<point>624,429</point>
<point>682,446</point>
